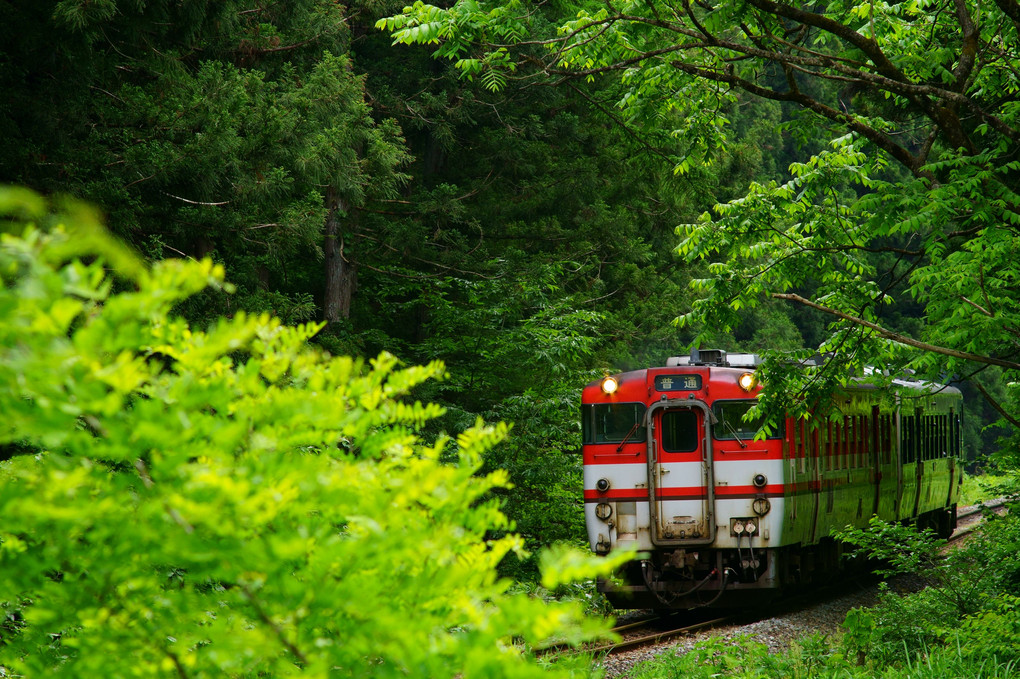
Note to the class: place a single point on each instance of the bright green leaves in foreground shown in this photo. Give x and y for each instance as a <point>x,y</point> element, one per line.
<point>229,502</point>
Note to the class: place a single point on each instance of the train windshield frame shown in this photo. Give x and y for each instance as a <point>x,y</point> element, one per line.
<point>613,423</point>
<point>731,426</point>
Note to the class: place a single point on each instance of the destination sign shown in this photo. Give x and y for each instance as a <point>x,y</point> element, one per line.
<point>677,382</point>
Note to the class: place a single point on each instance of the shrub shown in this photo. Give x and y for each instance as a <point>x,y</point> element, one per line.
<point>230,501</point>
<point>959,582</point>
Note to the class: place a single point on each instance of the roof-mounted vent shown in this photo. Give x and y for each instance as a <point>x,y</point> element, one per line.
<point>715,357</point>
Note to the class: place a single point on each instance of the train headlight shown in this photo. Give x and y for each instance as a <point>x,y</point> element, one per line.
<point>746,381</point>
<point>602,485</point>
<point>759,481</point>
<point>610,385</point>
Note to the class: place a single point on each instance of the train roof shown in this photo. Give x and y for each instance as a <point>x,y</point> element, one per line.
<point>724,359</point>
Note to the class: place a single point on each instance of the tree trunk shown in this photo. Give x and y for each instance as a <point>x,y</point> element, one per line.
<point>340,272</point>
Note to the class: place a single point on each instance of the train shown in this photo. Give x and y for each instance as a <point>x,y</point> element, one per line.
<point>722,514</point>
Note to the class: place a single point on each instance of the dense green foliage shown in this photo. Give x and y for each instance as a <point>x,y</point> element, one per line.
<point>232,501</point>
<point>900,231</point>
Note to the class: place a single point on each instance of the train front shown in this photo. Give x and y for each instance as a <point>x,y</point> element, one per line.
<point>672,469</point>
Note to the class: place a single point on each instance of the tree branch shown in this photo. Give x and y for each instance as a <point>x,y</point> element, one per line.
<point>898,338</point>
<point>998,406</point>
<point>264,617</point>
<point>881,140</point>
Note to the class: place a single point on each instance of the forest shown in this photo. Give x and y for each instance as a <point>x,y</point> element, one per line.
<point>240,228</point>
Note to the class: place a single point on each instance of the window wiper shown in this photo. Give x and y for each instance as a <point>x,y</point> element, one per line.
<point>734,432</point>
<point>629,434</point>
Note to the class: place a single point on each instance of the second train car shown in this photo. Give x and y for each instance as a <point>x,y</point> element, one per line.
<point>720,517</point>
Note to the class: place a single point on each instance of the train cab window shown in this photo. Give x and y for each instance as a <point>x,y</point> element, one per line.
<point>679,431</point>
<point>613,422</point>
<point>730,424</point>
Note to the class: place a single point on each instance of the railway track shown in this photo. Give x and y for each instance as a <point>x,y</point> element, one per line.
<point>654,629</point>
<point>971,526</point>
<point>640,636</point>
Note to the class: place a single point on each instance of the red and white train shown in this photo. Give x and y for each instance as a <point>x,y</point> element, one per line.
<point>719,517</point>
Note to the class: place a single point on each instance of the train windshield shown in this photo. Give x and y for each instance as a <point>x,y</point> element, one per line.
<point>679,431</point>
<point>731,425</point>
<point>614,422</point>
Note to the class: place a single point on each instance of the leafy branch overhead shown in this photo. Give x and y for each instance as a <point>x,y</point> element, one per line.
<point>913,199</point>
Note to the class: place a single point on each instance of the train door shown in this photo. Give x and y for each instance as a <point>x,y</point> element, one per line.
<point>680,478</point>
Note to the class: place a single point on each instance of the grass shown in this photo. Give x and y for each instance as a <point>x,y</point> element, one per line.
<point>977,489</point>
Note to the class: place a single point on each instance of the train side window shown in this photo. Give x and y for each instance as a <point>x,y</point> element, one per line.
<point>802,446</point>
<point>950,422</point>
<point>924,438</point>
<point>954,434</point>
<point>888,438</point>
<point>848,442</point>
<point>612,422</point>
<point>958,436</point>
<point>905,438</point>
<point>680,431</point>
<point>730,423</point>
<point>939,445</point>
<point>949,435</point>
<point>943,435</point>
<point>837,444</point>
<point>827,445</point>
<point>919,437</point>
<point>865,441</point>
<point>929,436</point>
<point>858,441</point>
<point>847,448</point>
